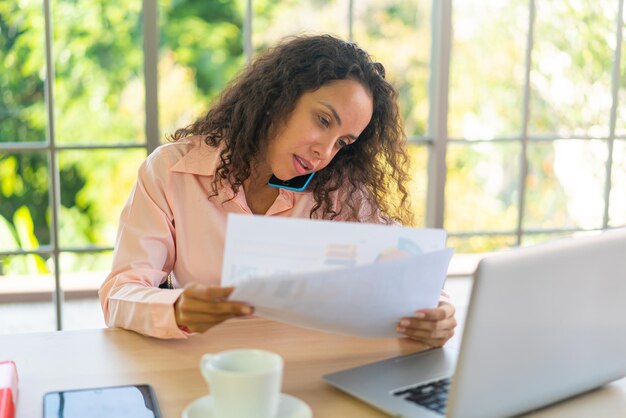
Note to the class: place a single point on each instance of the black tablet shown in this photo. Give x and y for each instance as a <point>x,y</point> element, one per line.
<point>129,401</point>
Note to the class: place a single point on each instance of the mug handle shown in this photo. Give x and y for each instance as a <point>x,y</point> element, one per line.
<point>206,358</point>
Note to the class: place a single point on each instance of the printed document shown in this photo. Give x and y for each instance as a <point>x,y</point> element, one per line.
<point>348,278</point>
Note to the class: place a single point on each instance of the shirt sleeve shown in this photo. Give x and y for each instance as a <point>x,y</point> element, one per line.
<point>144,256</point>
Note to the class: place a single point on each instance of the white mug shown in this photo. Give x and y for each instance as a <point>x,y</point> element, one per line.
<point>244,383</point>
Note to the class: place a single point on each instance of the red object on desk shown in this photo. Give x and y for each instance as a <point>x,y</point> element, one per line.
<point>8,389</point>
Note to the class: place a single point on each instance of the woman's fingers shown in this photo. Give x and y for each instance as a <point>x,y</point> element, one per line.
<point>217,308</point>
<point>442,311</point>
<point>209,299</point>
<point>218,294</point>
<point>435,335</point>
<point>433,327</point>
<point>201,307</point>
<point>198,321</point>
<point>207,293</point>
<point>432,338</point>
<point>427,325</point>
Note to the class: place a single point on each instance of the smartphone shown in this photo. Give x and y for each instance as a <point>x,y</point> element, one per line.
<point>129,401</point>
<point>297,184</point>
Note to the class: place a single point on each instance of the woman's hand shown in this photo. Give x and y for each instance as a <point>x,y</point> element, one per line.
<point>202,307</point>
<point>433,327</point>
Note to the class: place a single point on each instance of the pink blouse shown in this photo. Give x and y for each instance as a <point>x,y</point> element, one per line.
<point>171,225</point>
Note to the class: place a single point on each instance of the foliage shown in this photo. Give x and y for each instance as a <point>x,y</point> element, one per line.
<point>20,235</point>
<point>98,92</point>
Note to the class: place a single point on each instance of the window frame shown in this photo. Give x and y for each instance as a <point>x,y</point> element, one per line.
<point>436,139</point>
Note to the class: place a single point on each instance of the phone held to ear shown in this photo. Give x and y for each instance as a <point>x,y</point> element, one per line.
<point>129,401</point>
<point>296,184</point>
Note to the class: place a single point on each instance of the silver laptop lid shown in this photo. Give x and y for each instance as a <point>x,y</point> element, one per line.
<point>544,323</point>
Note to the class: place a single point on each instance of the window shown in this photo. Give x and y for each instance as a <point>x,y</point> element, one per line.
<point>534,116</point>
<point>516,117</point>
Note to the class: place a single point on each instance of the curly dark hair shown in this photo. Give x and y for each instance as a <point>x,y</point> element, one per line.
<point>265,93</point>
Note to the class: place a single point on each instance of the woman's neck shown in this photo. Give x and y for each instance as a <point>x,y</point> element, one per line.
<point>259,195</point>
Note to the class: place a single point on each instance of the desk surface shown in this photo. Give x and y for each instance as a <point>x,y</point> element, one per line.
<point>76,359</point>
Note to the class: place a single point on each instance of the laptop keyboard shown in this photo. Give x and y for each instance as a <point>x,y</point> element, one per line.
<point>432,395</point>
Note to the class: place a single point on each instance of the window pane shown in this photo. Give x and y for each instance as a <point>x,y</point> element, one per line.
<point>26,285</point>
<point>99,89</point>
<point>482,186</point>
<point>487,68</point>
<point>275,20</point>
<point>565,184</point>
<point>81,277</point>
<point>24,201</point>
<point>95,185</point>
<point>22,60</point>
<point>572,61</point>
<point>406,26</point>
<point>201,49</point>
<point>419,182</point>
<point>617,208</point>
<point>480,243</point>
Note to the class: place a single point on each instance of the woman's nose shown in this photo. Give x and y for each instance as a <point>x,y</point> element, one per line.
<point>323,149</point>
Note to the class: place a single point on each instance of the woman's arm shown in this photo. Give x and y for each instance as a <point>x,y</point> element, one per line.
<point>144,256</point>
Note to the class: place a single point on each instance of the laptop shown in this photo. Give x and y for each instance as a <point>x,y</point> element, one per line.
<point>544,323</point>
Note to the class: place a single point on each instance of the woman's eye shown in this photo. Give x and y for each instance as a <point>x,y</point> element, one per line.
<point>342,142</point>
<point>324,121</point>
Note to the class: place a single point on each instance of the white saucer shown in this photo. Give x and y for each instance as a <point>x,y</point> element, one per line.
<point>289,407</point>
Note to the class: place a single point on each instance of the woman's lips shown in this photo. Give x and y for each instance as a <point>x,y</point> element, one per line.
<point>301,165</point>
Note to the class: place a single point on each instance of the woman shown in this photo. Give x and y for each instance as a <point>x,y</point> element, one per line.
<point>311,105</point>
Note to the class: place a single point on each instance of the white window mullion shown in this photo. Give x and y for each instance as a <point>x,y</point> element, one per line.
<point>613,117</point>
<point>247,31</point>
<point>438,110</point>
<point>54,185</point>
<point>150,71</point>
<point>521,203</point>
<point>351,20</point>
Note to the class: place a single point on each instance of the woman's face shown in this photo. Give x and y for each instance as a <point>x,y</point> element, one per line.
<point>322,122</point>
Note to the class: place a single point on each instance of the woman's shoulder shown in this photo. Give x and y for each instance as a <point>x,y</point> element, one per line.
<point>177,149</point>
<point>171,154</point>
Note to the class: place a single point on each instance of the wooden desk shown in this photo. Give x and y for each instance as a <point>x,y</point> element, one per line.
<point>77,359</point>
